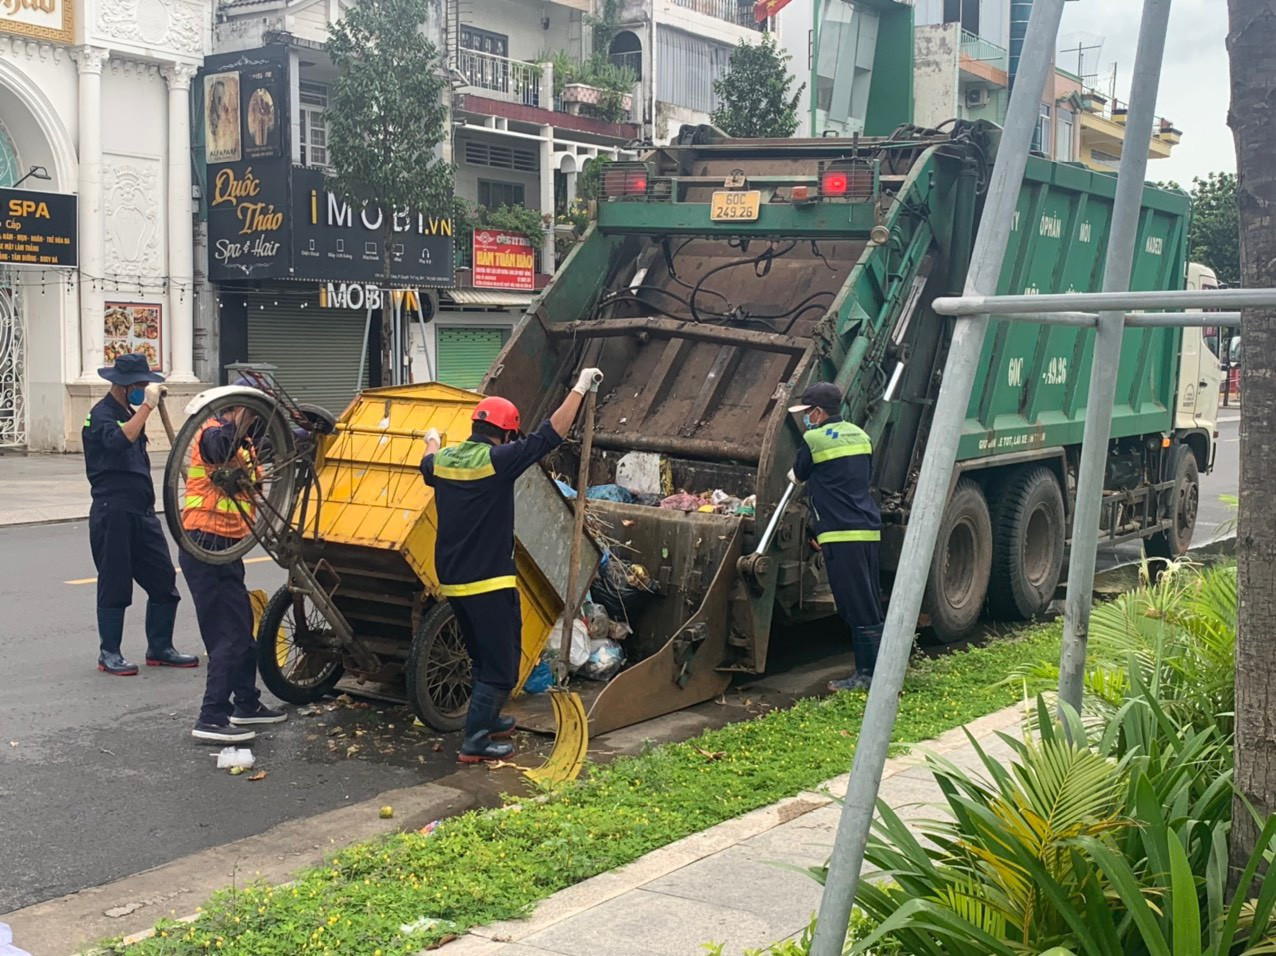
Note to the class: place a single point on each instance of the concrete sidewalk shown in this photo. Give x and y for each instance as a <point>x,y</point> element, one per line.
<point>728,884</point>
<point>35,489</point>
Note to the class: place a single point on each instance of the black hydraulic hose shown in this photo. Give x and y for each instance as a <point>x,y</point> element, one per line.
<point>801,305</point>
<point>633,294</point>
<point>765,256</point>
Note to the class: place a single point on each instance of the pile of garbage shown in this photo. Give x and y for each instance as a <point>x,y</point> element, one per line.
<point>597,649</point>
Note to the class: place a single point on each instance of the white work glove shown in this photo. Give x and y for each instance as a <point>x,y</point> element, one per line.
<point>793,478</point>
<point>433,436</point>
<point>588,380</point>
<point>155,392</point>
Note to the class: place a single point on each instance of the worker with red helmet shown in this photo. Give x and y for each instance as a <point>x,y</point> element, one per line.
<point>473,484</point>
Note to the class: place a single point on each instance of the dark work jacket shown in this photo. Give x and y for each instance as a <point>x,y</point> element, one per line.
<point>119,470</point>
<point>473,486</point>
<point>836,462</point>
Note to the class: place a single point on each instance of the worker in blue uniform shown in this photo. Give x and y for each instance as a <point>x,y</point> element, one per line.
<point>835,460</point>
<point>473,484</point>
<point>124,534</point>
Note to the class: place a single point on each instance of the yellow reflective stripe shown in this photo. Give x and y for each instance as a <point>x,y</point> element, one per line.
<point>196,472</point>
<point>88,420</point>
<point>479,587</point>
<point>833,537</point>
<point>463,474</point>
<point>194,501</point>
<point>842,451</point>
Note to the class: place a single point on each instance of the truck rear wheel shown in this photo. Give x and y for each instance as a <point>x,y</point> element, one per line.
<point>1027,553</point>
<point>1174,541</point>
<point>959,569</point>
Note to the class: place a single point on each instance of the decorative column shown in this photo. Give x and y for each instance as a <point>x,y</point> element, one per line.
<point>181,260</point>
<point>92,232</point>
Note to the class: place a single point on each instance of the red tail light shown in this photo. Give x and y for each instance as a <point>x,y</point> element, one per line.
<point>623,179</point>
<point>835,182</point>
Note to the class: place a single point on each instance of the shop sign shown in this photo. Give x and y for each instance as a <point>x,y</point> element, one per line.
<point>247,222</point>
<point>503,260</point>
<point>38,229</point>
<point>360,296</point>
<point>245,116</point>
<point>52,20</point>
<point>335,240</point>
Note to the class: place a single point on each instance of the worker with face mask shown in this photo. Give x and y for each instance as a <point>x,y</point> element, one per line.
<point>219,512</point>
<point>473,484</point>
<point>124,534</point>
<point>835,460</point>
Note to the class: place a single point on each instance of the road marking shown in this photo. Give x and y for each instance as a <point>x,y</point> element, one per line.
<point>258,560</point>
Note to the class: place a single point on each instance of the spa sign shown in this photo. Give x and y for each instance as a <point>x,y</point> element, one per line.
<point>52,20</point>
<point>248,228</point>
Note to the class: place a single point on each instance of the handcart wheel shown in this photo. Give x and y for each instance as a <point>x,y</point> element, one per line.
<point>438,671</point>
<point>292,671</point>
<point>266,471</point>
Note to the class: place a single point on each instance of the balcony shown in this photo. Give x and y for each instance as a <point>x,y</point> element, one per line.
<point>983,61</point>
<point>984,51</point>
<point>739,12</point>
<point>500,78</point>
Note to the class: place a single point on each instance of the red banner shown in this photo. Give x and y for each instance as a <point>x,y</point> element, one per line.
<point>503,260</point>
<point>768,8</point>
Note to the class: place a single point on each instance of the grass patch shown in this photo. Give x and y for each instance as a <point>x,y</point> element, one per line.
<point>396,895</point>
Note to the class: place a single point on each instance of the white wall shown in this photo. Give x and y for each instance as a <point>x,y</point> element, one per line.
<point>468,175</point>
<point>936,51</point>
<point>521,22</point>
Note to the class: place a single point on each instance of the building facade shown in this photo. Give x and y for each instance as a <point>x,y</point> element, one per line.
<point>94,134</point>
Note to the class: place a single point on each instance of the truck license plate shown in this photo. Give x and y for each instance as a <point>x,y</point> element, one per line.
<point>735,206</point>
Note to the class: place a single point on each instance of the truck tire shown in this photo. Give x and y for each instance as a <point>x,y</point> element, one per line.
<point>291,672</point>
<point>1174,542</point>
<point>1027,556</point>
<point>438,671</point>
<point>960,566</point>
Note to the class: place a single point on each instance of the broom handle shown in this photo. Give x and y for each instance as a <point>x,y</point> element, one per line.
<point>572,601</point>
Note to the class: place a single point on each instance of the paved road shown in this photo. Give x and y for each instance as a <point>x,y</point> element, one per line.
<point>105,781</point>
<point>99,777</point>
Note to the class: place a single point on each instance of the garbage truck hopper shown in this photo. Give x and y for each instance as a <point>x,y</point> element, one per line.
<point>721,277</point>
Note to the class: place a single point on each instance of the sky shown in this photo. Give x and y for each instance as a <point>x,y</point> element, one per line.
<point>1194,90</point>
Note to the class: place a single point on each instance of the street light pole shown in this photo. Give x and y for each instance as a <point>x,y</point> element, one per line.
<point>814,86</point>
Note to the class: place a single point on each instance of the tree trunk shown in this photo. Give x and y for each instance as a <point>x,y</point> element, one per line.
<point>1250,42</point>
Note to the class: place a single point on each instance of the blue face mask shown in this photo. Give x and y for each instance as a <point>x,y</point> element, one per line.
<point>136,395</point>
<point>806,421</point>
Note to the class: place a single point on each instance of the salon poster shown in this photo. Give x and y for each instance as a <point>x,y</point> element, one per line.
<point>222,118</point>
<point>262,93</point>
<point>133,327</point>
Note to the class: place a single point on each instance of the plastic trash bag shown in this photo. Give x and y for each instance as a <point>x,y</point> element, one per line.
<point>579,652</point>
<point>596,620</point>
<point>610,493</point>
<point>539,680</point>
<point>606,658</point>
<point>235,757</point>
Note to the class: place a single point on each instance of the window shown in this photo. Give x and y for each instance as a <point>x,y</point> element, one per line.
<point>482,58</point>
<point>686,68</point>
<point>313,124</point>
<point>498,156</point>
<point>965,12</point>
<point>626,51</point>
<point>1063,137</point>
<point>493,194</point>
<point>1043,130</point>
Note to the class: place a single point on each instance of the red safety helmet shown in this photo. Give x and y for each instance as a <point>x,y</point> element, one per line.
<point>497,411</point>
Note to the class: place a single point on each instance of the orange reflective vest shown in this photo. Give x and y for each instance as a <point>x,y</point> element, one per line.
<point>207,507</point>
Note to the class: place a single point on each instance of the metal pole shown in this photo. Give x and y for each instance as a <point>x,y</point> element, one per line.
<point>1106,360</point>
<point>814,84</point>
<point>1230,299</point>
<point>932,486</point>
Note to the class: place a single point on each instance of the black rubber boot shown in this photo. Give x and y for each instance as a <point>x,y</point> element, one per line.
<point>866,642</point>
<point>110,632</point>
<point>159,638</point>
<point>484,714</point>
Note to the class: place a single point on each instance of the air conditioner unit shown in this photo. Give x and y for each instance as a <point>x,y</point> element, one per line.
<point>976,97</point>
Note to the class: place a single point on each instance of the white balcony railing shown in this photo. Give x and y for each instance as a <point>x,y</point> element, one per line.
<point>739,12</point>
<point>501,78</point>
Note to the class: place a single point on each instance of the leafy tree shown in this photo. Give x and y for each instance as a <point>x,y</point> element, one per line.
<point>754,92</point>
<point>1214,236</point>
<point>387,115</point>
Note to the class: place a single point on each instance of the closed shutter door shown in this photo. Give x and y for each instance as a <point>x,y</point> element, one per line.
<point>315,351</point>
<point>466,353</point>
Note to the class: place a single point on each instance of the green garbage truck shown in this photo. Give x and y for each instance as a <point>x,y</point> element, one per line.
<point>722,276</point>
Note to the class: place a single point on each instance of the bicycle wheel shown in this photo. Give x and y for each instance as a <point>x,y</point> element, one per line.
<point>260,481</point>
